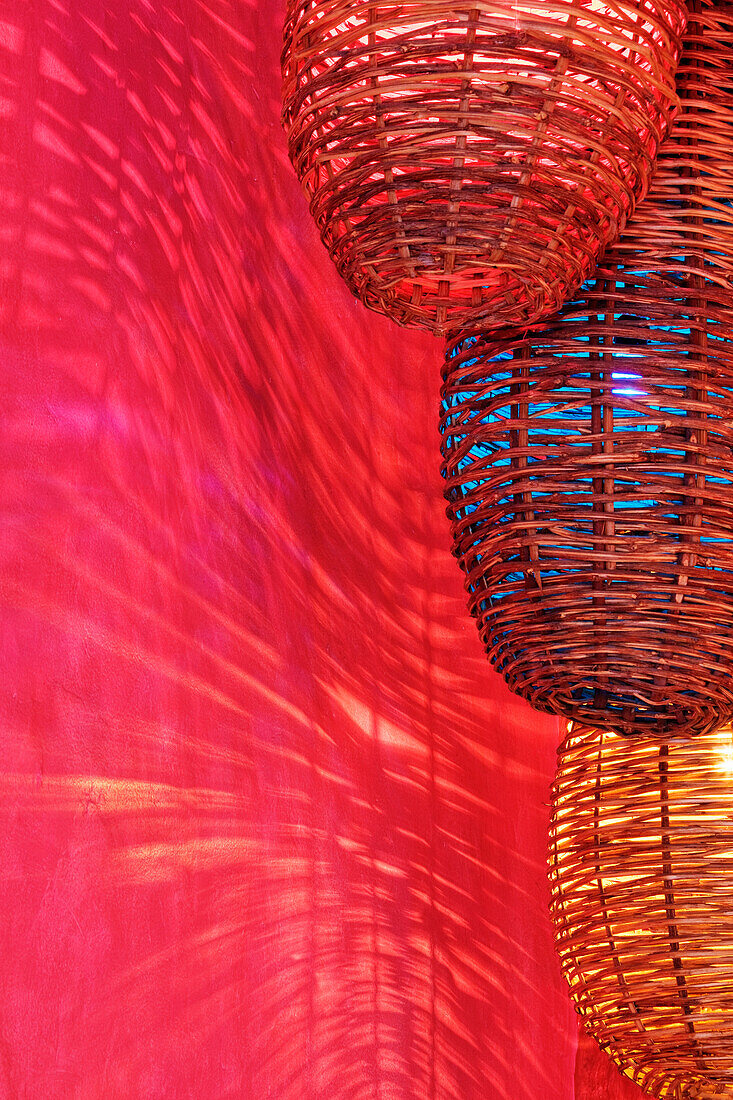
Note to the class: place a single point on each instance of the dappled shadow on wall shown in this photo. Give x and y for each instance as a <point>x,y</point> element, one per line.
<point>272,828</point>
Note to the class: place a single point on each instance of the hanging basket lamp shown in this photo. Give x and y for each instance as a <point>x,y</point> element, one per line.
<point>471,161</point>
<point>641,871</point>
<point>589,462</point>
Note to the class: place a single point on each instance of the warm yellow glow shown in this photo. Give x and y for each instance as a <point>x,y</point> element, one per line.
<point>642,879</point>
<point>724,751</point>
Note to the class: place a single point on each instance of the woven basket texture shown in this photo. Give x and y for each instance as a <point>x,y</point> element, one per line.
<point>641,872</point>
<point>589,463</point>
<point>471,160</point>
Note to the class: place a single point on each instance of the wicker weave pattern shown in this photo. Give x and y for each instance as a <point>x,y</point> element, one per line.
<point>471,160</point>
<point>589,464</point>
<point>641,869</point>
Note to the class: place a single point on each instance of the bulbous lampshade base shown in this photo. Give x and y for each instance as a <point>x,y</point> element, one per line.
<point>470,162</point>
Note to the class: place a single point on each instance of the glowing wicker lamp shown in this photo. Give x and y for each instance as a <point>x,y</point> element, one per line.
<point>471,161</point>
<point>589,463</point>
<point>641,870</point>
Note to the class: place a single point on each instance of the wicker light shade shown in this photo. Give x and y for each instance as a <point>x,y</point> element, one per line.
<point>472,160</point>
<point>641,870</point>
<point>589,464</point>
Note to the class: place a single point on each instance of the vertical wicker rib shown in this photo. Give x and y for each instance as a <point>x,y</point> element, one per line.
<point>641,869</point>
<point>472,160</point>
<point>589,463</point>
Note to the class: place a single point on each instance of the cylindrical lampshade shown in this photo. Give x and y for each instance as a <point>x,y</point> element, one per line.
<point>472,160</point>
<point>589,462</point>
<point>641,870</point>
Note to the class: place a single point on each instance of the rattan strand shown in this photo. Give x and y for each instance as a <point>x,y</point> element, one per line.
<point>589,463</point>
<point>641,872</point>
<point>472,159</point>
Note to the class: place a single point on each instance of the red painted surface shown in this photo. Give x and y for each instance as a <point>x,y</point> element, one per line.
<point>270,826</point>
<point>596,1076</point>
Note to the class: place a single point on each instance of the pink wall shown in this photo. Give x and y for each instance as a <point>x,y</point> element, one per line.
<point>270,825</point>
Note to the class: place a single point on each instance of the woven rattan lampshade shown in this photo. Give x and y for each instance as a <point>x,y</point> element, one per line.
<point>589,463</point>
<point>641,869</point>
<point>471,160</point>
